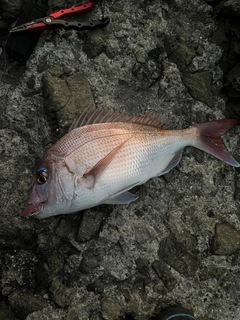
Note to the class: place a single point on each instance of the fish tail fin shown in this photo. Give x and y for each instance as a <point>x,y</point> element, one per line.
<point>209,139</point>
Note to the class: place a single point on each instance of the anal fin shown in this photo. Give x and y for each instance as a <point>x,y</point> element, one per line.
<point>123,196</point>
<point>173,163</point>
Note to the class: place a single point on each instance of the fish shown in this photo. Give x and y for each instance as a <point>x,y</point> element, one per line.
<point>106,153</point>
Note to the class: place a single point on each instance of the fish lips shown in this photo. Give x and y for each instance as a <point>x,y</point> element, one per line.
<point>32,210</point>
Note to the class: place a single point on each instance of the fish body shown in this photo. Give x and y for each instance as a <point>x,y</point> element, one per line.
<point>105,154</point>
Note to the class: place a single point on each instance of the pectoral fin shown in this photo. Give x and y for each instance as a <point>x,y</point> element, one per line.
<point>123,198</point>
<point>91,175</point>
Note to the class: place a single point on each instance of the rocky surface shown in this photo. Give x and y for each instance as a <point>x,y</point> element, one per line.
<point>180,242</point>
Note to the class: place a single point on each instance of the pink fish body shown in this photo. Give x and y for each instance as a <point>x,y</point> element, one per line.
<point>105,154</point>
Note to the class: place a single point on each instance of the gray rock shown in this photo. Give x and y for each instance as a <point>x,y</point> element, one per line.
<point>233,81</point>
<point>230,284</point>
<point>164,273</point>
<point>237,188</point>
<point>226,239</point>
<point>66,227</point>
<point>232,7</point>
<point>55,263</point>
<point>206,273</point>
<point>23,303</point>
<point>112,308</point>
<point>235,41</point>
<point>180,253</point>
<point>89,225</point>
<point>90,261</point>
<point>148,72</point>
<point>141,56</point>
<point>3,124</point>
<point>9,79</point>
<point>95,44</point>
<point>180,53</point>
<point>199,86</point>
<point>6,313</point>
<point>66,96</point>
<point>13,237</point>
<point>211,2</point>
<point>10,10</point>
<point>142,266</point>
<point>62,296</point>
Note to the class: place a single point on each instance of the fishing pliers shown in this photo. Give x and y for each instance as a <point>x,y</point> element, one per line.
<point>53,21</point>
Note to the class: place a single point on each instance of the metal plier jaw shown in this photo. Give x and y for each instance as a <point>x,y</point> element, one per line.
<point>53,21</point>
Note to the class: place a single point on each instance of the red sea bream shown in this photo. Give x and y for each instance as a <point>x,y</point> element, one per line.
<point>105,154</point>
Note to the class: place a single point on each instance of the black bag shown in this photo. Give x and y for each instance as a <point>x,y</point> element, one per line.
<point>20,45</point>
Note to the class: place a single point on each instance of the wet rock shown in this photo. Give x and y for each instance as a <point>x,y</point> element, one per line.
<point>142,266</point>
<point>55,263</point>
<point>180,253</point>
<point>180,53</point>
<point>141,56</point>
<point>235,28</point>
<point>199,86</point>
<point>90,225</point>
<point>91,260</point>
<point>112,308</point>
<point>232,7</point>
<point>43,64</point>
<point>3,124</point>
<point>10,9</point>
<point>23,303</point>
<point>206,273</point>
<point>164,273</point>
<point>66,227</point>
<point>6,313</point>
<point>148,72</point>
<point>237,188</point>
<point>160,288</point>
<point>62,295</point>
<point>13,237</point>
<point>9,79</point>
<point>156,52</point>
<point>17,71</point>
<point>4,32</point>
<point>233,81</point>
<point>42,276</point>
<point>16,272</point>
<point>47,242</point>
<point>226,239</point>
<point>31,82</point>
<point>66,96</point>
<point>232,55</point>
<point>212,2</point>
<point>95,44</point>
<point>73,314</point>
<point>230,284</point>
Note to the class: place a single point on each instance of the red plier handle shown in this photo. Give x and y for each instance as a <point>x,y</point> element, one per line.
<point>53,20</point>
<point>73,11</point>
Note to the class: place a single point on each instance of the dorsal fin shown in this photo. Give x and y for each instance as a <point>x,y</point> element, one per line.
<point>93,115</point>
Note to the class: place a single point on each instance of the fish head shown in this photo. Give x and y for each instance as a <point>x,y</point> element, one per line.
<point>51,192</point>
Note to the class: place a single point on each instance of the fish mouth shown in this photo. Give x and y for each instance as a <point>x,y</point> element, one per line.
<point>32,210</point>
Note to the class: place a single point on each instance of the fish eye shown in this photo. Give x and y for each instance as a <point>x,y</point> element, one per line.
<point>41,179</point>
<point>41,176</point>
